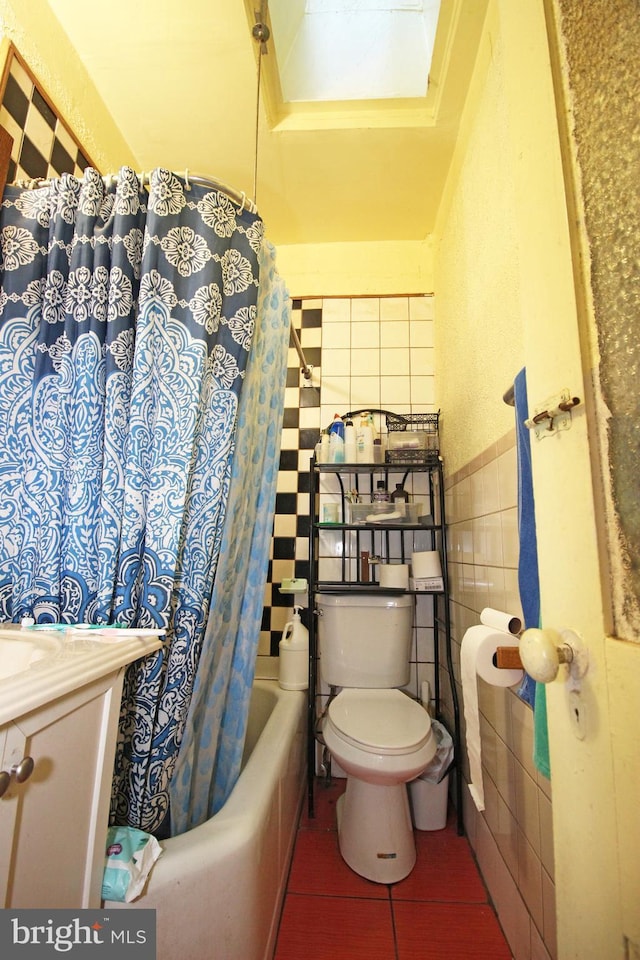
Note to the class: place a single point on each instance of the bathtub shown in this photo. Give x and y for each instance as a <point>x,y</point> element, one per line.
<point>218,889</point>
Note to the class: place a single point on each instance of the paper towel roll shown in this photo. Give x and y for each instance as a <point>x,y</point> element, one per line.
<point>425,565</point>
<point>478,648</point>
<point>394,575</point>
<point>501,621</point>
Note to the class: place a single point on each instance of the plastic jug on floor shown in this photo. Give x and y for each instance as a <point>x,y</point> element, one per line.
<point>294,654</point>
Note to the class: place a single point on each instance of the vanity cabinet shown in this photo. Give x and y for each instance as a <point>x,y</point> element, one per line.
<point>53,825</point>
<point>54,817</point>
<point>348,541</point>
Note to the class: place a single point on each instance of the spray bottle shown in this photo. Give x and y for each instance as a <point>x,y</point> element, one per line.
<point>294,654</point>
<point>336,440</point>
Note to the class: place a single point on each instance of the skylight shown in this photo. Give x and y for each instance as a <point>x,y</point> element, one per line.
<point>331,50</point>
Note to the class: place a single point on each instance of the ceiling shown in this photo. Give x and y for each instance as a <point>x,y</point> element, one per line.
<point>181,81</point>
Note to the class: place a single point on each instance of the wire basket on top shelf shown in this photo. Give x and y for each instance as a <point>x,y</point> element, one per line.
<point>412,438</point>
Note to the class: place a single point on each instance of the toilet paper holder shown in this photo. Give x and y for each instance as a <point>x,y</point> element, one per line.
<point>508,658</point>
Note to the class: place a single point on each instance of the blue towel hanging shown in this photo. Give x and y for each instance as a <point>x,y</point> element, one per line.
<point>528,580</point>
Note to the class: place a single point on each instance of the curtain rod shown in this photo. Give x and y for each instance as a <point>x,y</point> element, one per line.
<point>238,197</point>
<point>306,369</point>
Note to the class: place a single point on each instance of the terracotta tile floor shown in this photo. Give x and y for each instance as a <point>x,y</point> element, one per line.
<point>439,912</point>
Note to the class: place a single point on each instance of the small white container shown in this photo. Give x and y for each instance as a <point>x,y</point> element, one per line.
<point>428,803</point>
<point>294,654</point>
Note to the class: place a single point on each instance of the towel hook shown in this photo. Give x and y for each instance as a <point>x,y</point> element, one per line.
<point>553,415</point>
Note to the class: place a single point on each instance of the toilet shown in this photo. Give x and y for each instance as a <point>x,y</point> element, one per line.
<point>378,735</point>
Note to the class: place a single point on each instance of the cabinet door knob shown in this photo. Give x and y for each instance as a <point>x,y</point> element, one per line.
<point>23,770</point>
<point>5,780</point>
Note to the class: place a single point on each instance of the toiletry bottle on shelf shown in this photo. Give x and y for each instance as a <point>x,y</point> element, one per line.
<point>364,440</point>
<point>400,494</point>
<point>349,441</point>
<point>336,440</point>
<point>381,494</point>
<point>324,447</point>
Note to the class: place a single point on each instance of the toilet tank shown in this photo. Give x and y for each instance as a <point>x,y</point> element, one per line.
<point>364,640</point>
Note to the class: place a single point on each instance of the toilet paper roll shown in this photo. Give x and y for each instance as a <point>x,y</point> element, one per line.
<point>501,621</point>
<point>425,565</point>
<point>394,575</point>
<point>479,645</point>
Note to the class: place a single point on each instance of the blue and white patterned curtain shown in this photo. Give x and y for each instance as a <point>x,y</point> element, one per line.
<point>211,751</point>
<point>126,323</point>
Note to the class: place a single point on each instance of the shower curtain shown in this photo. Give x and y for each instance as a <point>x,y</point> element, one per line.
<point>211,750</point>
<point>126,323</point>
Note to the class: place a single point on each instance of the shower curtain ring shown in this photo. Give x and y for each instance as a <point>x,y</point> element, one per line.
<point>186,179</point>
<point>244,200</point>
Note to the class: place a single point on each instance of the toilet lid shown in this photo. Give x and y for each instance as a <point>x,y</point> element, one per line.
<point>384,721</point>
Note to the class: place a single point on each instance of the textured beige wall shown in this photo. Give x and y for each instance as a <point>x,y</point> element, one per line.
<point>601,48</point>
<point>36,33</point>
<point>478,310</point>
<point>357,269</point>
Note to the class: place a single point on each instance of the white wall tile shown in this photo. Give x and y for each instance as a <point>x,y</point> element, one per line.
<point>284,525</point>
<point>365,362</point>
<point>421,308</point>
<point>335,394</point>
<point>512,593</point>
<point>477,494</point>
<point>423,394</point>
<point>510,538</point>
<point>365,308</point>
<point>421,333</point>
<point>335,335</point>
<point>365,392</point>
<point>422,361</point>
<point>394,334</point>
<point>335,311</point>
<point>395,391</point>
<point>287,481</point>
<point>394,308</point>
<point>394,362</point>
<point>492,527</point>
<point>490,487</point>
<point>337,363</point>
<point>530,880</point>
<point>508,479</point>
<point>365,335</point>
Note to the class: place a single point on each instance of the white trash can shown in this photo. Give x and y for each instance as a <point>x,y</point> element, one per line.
<point>429,793</point>
<point>428,803</point>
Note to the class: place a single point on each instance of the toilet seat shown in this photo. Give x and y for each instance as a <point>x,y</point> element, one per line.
<point>384,722</point>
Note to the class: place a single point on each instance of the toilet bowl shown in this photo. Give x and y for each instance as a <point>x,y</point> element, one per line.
<point>382,739</point>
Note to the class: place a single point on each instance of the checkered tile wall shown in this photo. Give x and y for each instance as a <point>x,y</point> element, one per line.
<point>300,431</point>
<point>43,145</point>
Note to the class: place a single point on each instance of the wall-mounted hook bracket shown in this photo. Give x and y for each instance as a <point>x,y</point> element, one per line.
<point>261,33</point>
<point>553,415</point>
